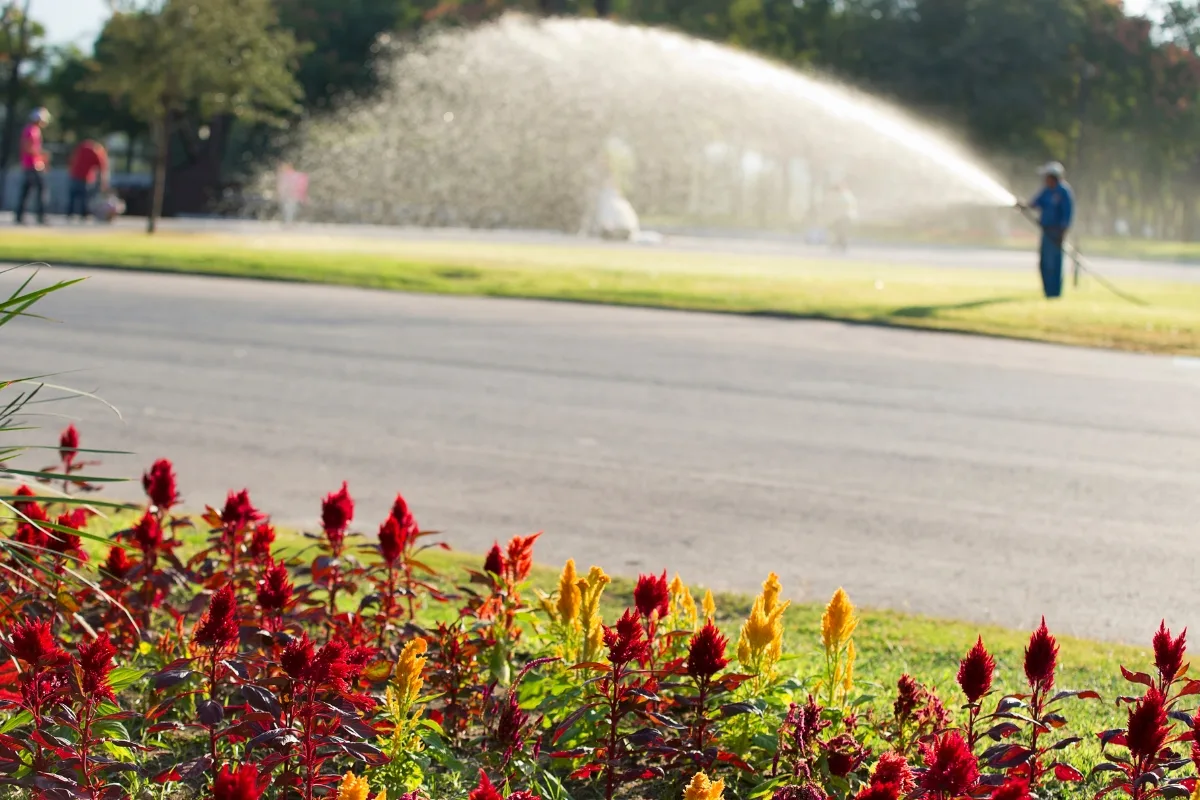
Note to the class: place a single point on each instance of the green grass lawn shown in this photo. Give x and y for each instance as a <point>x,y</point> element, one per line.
<point>966,300</point>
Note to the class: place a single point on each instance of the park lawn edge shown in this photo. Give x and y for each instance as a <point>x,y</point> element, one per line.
<point>761,297</point>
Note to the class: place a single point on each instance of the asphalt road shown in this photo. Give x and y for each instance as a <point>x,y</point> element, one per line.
<point>956,476</point>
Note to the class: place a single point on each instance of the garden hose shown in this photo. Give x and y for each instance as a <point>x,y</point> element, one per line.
<point>1081,266</point>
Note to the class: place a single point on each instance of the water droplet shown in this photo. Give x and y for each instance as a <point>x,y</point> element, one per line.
<point>448,116</point>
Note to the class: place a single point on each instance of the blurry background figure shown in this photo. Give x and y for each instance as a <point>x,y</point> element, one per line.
<point>88,172</point>
<point>608,214</point>
<point>108,207</point>
<point>293,190</point>
<point>34,162</point>
<point>845,214</point>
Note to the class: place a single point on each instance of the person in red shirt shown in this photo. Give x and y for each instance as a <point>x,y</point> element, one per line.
<point>88,169</point>
<point>34,161</point>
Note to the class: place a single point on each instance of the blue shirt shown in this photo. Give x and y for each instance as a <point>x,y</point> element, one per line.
<point>1057,206</point>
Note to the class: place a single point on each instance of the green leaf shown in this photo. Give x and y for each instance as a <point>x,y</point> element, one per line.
<point>16,721</point>
<point>124,677</point>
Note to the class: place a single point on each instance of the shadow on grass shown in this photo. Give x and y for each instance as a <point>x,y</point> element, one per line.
<point>925,312</point>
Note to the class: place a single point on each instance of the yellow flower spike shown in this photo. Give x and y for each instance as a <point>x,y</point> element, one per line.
<point>569,596</point>
<point>590,590</point>
<point>676,588</point>
<point>770,592</point>
<point>838,622</point>
<point>690,614</point>
<point>409,671</point>
<point>702,789</point>
<point>710,606</point>
<point>353,788</point>
<point>547,605</point>
<point>382,794</point>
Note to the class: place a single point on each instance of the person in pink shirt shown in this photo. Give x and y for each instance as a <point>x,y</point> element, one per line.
<point>34,162</point>
<point>292,190</point>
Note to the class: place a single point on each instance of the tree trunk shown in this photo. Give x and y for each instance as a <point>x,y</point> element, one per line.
<point>603,8</point>
<point>130,141</point>
<point>161,147</point>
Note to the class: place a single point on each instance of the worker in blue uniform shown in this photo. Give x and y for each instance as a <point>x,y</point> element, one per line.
<point>1057,208</point>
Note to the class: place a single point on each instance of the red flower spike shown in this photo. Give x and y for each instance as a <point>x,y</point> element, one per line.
<point>1012,789</point>
<point>147,534</point>
<point>626,641</point>
<point>975,672</point>
<point>34,643</point>
<point>330,666</point>
<point>68,543</point>
<point>879,791</point>
<point>951,767</point>
<point>297,657</point>
<point>893,768</point>
<point>1041,658</point>
<point>24,505</point>
<point>908,697</point>
<point>159,484</point>
<point>337,510</point>
<point>239,513</point>
<point>117,565</point>
<point>1168,652</point>
<point>494,563</point>
<point>274,590</point>
<point>95,663</point>
<point>519,561</point>
<point>391,541</point>
<point>218,628</point>
<point>706,653</point>
<point>485,790</point>
<point>244,783</point>
<point>404,517</point>
<point>68,445</point>
<point>1147,731</point>
<point>652,596</point>
<point>261,542</point>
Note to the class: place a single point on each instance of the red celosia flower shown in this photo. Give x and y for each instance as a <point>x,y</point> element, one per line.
<point>1168,652</point>
<point>951,768</point>
<point>33,642</point>
<point>975,672</point>
<point>706,653</point>
<point>117,565</point>
<point>331,666</point>
<point>909,695</point>
<point>261,541</point>
<point>23,505</point>
<point>522,795</point>
<point>1147,731</point>
<point>843,754</point>
<point>63,542</point>
<point>337,509</point>
<point>297,657</point>
<point>148,534</point>
<point>404,517</point>
<point>244,783</point>
<point>275,588</point>
<point>626,641</point>
<point>893,768</point>
<point>485,790</point>
<point>68,445</point>
<point>652,596</point>
<point>1041,657</point>
<point>218,628</point>
<point>808,791</point>
<point>1012,789</point>
<point>519,560</point>
<point>239,513</point>
<point>159,483</point>
<point>95,663</point>
<point>879,791</point>
<point>391,540</point>
<point>494,563</point>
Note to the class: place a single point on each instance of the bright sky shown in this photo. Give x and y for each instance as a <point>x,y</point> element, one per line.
<point>78,21</point>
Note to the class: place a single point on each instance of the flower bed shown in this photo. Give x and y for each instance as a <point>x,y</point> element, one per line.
<point>142,665</point>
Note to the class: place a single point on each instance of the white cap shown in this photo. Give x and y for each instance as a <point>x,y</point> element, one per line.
<point>1053,169</point>
<point>39,114</point>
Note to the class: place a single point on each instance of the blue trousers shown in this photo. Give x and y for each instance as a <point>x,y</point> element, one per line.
<point>78,196</point>
<point>1052,263</point>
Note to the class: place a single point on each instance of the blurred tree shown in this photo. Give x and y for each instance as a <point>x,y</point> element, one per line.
<point>84,113</point>
<point>20,48</point>
<point>220,57</point>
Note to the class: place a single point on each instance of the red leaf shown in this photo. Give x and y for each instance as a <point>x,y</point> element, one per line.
<point>1192,687</point>
<point>1137,677</point>
<point>1065,772</point>
<point>730,758</point>
<point>585,772</point>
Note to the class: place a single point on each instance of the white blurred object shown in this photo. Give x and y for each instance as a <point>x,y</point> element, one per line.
<point>108,207</point>
<point>612,216</point>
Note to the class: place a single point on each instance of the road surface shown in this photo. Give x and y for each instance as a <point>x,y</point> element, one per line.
<point>950,475</point>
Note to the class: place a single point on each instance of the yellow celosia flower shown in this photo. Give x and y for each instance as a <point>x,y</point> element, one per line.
<point>838,622</point>
<point>770,592</point>
<point>409,672</point>
<point>676,588</point>
<point>702,789</point>
<point>848,669</point>
<point>710,606</point>
<point>569,596</point>
<point>590,589</point>
<point>689,610</point>
<point>353,788</point>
